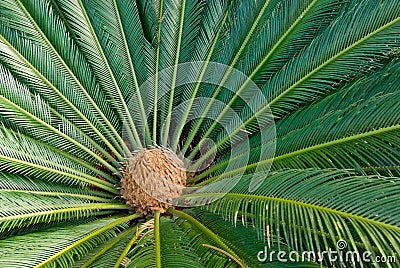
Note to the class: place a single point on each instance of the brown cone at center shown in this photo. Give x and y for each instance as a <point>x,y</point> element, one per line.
<point>152,179</point>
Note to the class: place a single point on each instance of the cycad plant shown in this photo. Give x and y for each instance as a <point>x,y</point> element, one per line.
<point>199,133</point>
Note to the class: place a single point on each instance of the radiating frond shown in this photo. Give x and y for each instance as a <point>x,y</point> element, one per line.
<point>282,118</point>
<point>20,209</point>
<point>31,37</point>
<point>142,253</point>
<point>339,130</point>
<point>108,253</point>
<point>316,68</point>
<point>244,240</point>
<point>78,21</point>
<point>313,209</point>
<point>67,244</point>
<point>21,155</point>
<point>33,116</point>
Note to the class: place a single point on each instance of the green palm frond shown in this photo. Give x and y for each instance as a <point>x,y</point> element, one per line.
<point>16,183</point>
<point>340,130</point>
<point>284,114</point>
<point>314,208</point>
<point>349,51</point>
<point>142,253</point>
<point>176,247</point>
<point>25,209</point>
<point>106,18</point>
<point>65,243</point>
<point>21,155</point>
<point>95,54</point>
<point>33,114</point>
<point>243,238</point>
<point>110,254</point>
<point>34,36</point>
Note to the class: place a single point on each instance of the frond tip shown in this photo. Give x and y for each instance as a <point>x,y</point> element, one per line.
<point>152,178</point>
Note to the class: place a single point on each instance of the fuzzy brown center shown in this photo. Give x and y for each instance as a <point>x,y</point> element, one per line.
<point>152,179</point>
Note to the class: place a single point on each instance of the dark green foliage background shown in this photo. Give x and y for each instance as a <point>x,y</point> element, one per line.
<point>69,69</point>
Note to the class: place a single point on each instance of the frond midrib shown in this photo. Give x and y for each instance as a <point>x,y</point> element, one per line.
<point>174,76</point>
<point>340,53</point>
<point>344,214</point>
<point>59,194</point>
<point>294,153</point>
<point>78,112</point>
<point>195,90</point>
<point>156,75</point>
<point>131,65</point>
<point>227,74</point>
<point>255,71</point>
<point>94,181</point>
<point>82,207</point>
<point>271,103</point>
<point>134,238</point>
<point>213,236</point>
<point>334,142</point>
<point>111,73</point>
<point>58,93</point>
<point>108,246</point>
<point>86,238</point>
